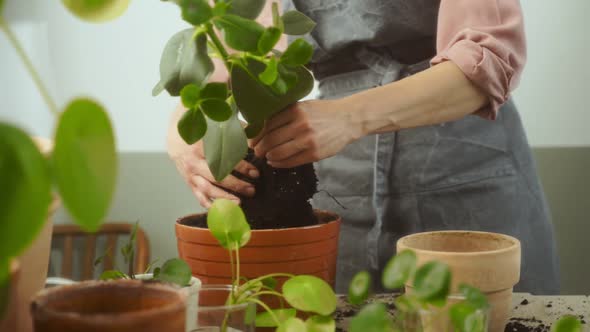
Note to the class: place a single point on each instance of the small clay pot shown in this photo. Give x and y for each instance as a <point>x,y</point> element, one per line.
<point>487,261</point>
<point>306,250</point>
<point>110,306</point>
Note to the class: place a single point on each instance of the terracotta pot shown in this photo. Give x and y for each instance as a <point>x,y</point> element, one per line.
<point>306,250</point>
<point>9,317</point>
<point>487,261</point>
<point>111,306</point>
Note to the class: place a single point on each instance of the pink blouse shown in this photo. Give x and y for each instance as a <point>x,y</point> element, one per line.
<point>486,39</point>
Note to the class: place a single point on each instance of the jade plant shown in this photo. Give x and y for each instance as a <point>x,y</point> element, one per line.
<point>262,82</point>
<point>303,293</point>
<point>82,166</point>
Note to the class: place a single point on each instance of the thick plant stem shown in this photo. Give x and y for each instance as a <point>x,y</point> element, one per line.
<point>218,45</point>
<point>29,65</point>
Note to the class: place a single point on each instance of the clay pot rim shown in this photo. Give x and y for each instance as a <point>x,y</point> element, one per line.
<point>42,297</point>
<point>336,219</point>
<point>515,246</point>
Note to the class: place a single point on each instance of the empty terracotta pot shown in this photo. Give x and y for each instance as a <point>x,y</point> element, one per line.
<point>111,306</point>
<point>487,261</point>
<point>306,250</point>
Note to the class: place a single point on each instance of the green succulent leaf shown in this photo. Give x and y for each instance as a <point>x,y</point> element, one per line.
<point>190,95</point>
<point>310,294</point>
<point>227,223</point>
<point>240,33</point>
<point>399,269</point>
<point>265,319</point>
<point>249,9</point>
<point>184,61</point>
<point>113,275</point>
<point>26,191</point>
<point>298,53</point>
<point>372,318</point>
<point>196,12</point>
<point>225,145</point>
<point>257,101</point>
<point>271,73</point>
<point>270,37</point>
<point>216,109</point>
<point>468,318</point>
<point>253,129</point>
<point>359,287</point>
<point>296,23</point>
<point>432,283</point>
<point>175,271</point>
<point>96,10</point>
<point>320,324</point>
<point>292,325</point>
<point>215,90</point>
<point>85,162</point>
<point>567,323</point>
<point>192,126</point>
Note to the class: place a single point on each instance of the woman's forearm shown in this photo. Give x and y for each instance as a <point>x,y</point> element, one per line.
<point>439,94</point>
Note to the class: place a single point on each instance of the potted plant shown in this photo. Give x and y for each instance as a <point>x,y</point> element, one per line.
<point>288,235</point>
<point>82,166</point>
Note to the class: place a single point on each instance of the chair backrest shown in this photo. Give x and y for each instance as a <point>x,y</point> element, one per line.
<point>112,232</point>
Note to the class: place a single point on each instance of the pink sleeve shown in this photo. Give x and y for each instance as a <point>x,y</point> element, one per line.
<point>486,39</point>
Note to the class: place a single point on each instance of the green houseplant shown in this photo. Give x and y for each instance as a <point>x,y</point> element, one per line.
<point>263,81</point>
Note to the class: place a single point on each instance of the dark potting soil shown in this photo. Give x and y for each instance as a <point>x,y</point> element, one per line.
<point>282,197</point>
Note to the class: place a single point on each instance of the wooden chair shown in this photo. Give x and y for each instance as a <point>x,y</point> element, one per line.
<point>112,232</point>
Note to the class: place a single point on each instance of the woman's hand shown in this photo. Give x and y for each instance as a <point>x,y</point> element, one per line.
<point>191,163</point>
<point>306,132</point>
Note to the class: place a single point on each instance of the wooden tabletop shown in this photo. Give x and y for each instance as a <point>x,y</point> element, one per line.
<point>530,313</point>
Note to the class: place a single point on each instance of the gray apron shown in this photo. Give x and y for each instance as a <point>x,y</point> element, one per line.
<point>470,174</point>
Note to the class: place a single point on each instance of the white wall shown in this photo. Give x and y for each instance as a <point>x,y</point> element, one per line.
<point>117,63</point>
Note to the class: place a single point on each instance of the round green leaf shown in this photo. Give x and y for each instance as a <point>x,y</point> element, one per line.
<point>85,162</point>
<point>239,33</point>
<point>310,294</point>
<point>227,223</point>
<point>249,9</point>
<point>270,74</point>
<point>320,324</point>
<point>185,60</point>
<point>257,101</point>
<point>196,12</point>
<point>292,325</point>
<point>25,192</point>
<point>399,270</point>
<point>265,319</point>
<point>190,95</point>
<point>567,323</point>
<point>192,126</point>
<point>175,271</point>
<point>372,318</point>
<point>97,10</point>
<point>270,37</point>
<point>298,53</point>
<point>432,282</point>
<point>216,109</point>
<point>296,23</point>
<point>215,90</point>
<point>359,287</point>
<point>467,318</point>
<point>474,296</point>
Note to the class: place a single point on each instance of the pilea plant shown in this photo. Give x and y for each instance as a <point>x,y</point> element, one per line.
<point>82,166</point>
<point>174,270</point>
<point>263,81</point>
<point>303,293</point>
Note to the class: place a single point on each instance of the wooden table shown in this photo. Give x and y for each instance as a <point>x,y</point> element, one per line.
<point>530,313</point>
